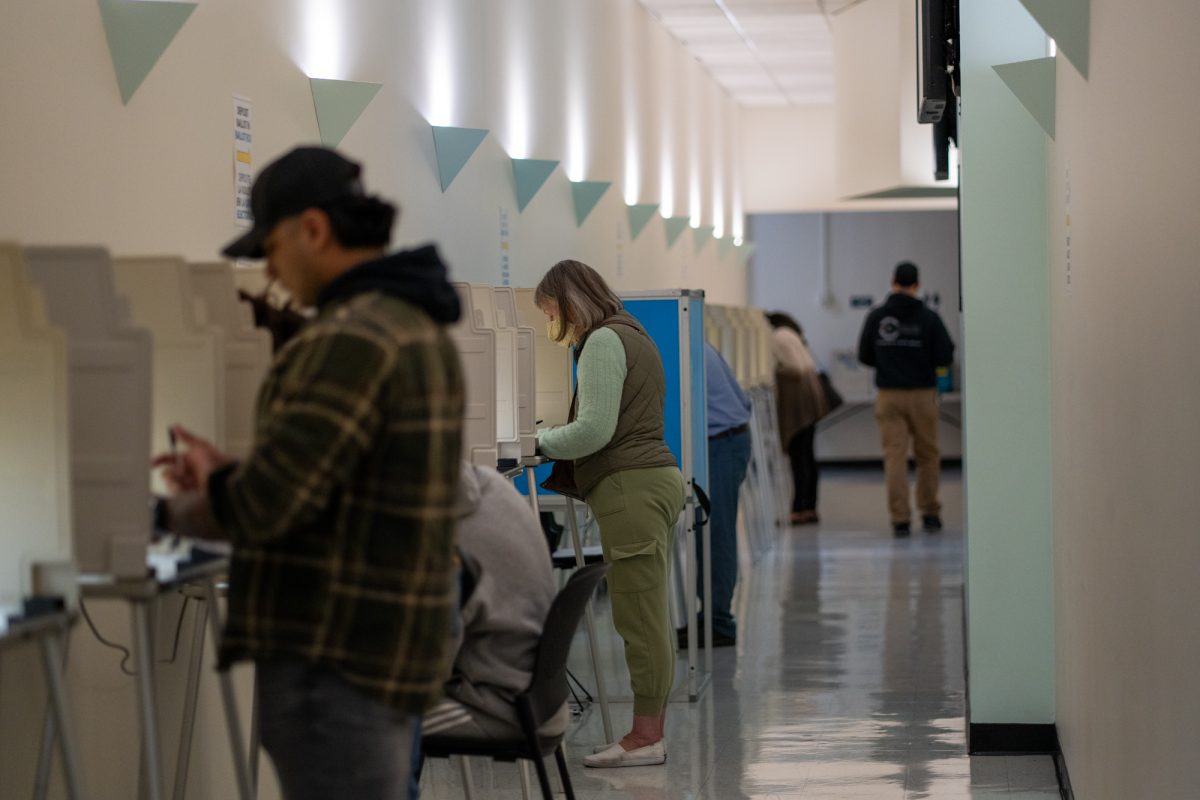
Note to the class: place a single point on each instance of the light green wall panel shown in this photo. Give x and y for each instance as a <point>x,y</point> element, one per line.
<point>1068,23</point>
<point>724,245</point>
<point>1033,84</point>
<point>339,104</point>
<point>138,34</point>
<point>1006,335</point>
<point>586,194</point>
<point>639,215</point>
<point>674,227</point>
<point>529,175</point>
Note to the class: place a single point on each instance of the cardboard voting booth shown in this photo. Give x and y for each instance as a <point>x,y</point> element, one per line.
<point>35,488</point>
<point>109,391</point>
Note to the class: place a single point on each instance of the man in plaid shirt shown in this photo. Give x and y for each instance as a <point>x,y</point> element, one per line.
<point>342,518</point>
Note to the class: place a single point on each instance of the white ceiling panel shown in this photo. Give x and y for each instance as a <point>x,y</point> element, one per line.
<point>763,52</point>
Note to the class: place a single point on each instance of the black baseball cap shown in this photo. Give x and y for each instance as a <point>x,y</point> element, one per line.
<point>906,274</point>
<point>307,177</point>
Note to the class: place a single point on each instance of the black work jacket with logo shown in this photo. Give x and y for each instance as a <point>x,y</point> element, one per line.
<point>905,342</point>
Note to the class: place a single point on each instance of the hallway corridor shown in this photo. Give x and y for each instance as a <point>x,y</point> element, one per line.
<point>847,681</point>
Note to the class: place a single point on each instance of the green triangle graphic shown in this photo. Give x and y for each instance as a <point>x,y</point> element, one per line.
<point>674,226</point>
<point>701,236</point>
<point>339,104</point>
<point>454,147</point>
<point>138,34</point>
<point>586,194</point>
<point>1066,22</point>
<point>745,250</point>
<point>530,174</point>
<point>1033,84</point>
<point>723,245</point>
<point>639,215</point>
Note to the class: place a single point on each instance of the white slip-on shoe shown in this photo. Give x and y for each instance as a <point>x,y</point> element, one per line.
<point>617,756</point>
<point>600,748</point>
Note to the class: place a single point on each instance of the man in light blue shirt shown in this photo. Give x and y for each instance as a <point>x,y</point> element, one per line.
<point>728,458</point>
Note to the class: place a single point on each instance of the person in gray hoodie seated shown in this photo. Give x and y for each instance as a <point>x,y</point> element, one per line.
<point>507,588</point>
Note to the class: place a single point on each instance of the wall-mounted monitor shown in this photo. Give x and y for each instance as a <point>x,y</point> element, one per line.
<point>937,57</point>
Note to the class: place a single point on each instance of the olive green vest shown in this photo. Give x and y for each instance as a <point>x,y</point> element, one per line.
<point>638,441</point>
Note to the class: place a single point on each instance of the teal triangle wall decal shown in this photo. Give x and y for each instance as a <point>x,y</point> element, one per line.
<point>701,236</point>
<point>1033,82</point>
<point>745,250</point>
<point>723,245</point>
<point>639,215</point>
<point>339,104</point>
<point>138,34</point>
<point>674,226</point>
<point>586,194</point>
<point>530,174</point>
<point>454,147</point>
<point>1067,23</point>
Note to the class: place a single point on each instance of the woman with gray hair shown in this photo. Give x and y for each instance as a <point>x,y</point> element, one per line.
<point>628,477</point>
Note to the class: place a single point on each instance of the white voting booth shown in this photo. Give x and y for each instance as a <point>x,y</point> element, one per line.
<point>189,352</point>
<point>35,475</point>
<point>743,337</point>
<point>477,354</point>
<point>247,350</point>
<point>480,307</point>
<point>109,391</point>
<point>552,392</point>
<point>506,315</point>
<point>36,568</point>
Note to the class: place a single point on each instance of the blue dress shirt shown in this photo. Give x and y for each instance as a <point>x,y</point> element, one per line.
<point>727,404</point>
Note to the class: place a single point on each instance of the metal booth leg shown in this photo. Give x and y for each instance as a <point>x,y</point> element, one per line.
<point>590,623</point>
<point>228,699</point>
<point>190,700</point>
<point>41,785</point>
<point>52,661</point>
<point>152,785</point>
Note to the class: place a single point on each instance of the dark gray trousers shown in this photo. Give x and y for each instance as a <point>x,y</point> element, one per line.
<point>329,740</point>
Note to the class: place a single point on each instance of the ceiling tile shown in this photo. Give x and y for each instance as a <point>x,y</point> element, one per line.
<point>779,52</point>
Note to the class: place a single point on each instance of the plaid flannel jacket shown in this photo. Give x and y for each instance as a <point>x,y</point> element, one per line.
<point>343,517</point>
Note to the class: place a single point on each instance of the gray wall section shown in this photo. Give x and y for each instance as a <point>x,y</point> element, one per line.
<point>864,247</point>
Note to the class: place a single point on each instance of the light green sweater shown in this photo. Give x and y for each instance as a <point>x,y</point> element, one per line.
<point>600,380</point>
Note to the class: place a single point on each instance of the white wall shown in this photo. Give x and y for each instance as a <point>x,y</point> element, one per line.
<point>789,163</point>
<point>1125,386</point>
<point>596,83</point>
<point>864,248</point>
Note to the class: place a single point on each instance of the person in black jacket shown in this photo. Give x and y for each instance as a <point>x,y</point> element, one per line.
<point>906,342</point>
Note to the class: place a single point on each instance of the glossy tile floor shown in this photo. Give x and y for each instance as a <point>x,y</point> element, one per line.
<point>847,681</point>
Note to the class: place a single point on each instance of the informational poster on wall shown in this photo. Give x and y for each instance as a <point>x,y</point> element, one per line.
<point>243,161</point>
<point>1067,221</point>
<point>505,260</point>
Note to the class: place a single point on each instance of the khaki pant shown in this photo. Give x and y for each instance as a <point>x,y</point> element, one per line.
<point>637,511</point>
<point>905,413</point>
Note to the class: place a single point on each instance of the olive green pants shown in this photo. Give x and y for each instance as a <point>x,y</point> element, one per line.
<point>637,510</point>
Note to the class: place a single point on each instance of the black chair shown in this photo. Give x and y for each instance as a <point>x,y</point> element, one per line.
<point>564,557</point>
<point>545,695</point>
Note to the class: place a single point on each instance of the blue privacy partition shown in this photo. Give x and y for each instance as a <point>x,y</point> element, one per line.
<point>675,321</point>
<point>674,318</point>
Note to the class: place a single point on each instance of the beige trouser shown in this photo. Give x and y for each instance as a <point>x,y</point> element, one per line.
<point>904,413</point>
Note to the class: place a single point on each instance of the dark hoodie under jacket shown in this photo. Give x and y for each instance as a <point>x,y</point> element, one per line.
<point>905,342</point>
<point>415,276</point>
